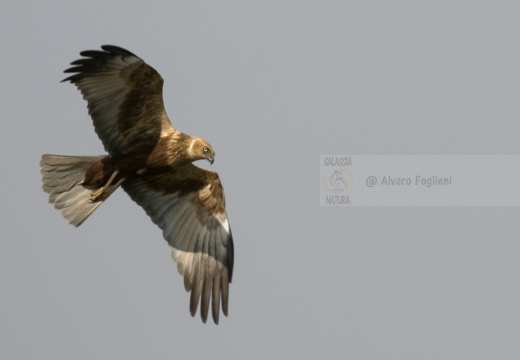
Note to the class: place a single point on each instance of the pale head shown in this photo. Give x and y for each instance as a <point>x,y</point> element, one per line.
<point>200,149</point>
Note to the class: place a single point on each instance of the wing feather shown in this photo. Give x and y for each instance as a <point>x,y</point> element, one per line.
<point>124,96</point>
<point>200,238</point>
<point>215,299</point>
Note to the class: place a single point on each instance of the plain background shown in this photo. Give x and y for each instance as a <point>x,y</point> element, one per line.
<point>272,85</point>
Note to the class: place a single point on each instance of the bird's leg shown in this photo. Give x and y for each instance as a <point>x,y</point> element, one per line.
<point>104,191</point>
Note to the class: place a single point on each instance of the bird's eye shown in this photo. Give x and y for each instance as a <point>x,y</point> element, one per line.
<point>205,149</point>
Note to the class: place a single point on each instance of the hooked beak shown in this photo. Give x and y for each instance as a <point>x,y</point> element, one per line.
<point>210,158</point>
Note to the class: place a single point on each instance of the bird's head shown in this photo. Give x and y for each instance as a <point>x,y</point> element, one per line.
<point>200,149</point>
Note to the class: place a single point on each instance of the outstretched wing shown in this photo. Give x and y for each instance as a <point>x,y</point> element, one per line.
<point>124,97</point>
<point>188,205</point>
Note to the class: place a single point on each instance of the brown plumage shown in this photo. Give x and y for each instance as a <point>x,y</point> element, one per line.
<point>152,161</point>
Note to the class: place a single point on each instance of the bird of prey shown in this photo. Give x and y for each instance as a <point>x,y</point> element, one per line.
<point>153,162</point>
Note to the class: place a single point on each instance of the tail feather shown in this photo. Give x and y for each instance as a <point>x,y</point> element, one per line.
<point>62,179</point>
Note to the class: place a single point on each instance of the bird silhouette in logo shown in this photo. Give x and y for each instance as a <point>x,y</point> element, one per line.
<point>338,181</point>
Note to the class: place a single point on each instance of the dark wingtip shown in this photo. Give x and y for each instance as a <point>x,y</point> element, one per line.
<point>117,50</point>
<point>225,309</point>
<point>90,57</point>
<point>69,78</point>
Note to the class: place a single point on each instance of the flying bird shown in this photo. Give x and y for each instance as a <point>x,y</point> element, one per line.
<point>153,162</point>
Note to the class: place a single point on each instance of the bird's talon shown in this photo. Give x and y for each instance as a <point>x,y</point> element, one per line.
<point>95,195</point>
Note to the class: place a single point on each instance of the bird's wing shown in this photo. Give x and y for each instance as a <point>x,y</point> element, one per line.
<point>188,205</point>
<point>124,97</point>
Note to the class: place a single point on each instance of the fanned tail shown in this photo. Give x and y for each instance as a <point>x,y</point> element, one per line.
<point>63,178</point>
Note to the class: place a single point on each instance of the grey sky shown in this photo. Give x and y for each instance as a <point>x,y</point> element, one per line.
<point>272,85</point>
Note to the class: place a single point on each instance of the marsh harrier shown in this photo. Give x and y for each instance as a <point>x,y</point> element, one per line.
<point>153,163</point>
